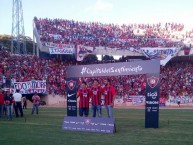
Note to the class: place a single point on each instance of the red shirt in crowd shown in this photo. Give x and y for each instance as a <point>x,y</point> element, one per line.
<point>96,95</point>
<point>2,99</point>
<point>109,93</point>
<point>84,95</point>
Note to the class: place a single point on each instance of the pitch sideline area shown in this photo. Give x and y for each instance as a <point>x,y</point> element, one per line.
<point>183,106</point>
<point>46,129</point>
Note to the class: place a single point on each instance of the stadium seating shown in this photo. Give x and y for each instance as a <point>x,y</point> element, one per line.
<point>95,34</point>
<point>175,77</point>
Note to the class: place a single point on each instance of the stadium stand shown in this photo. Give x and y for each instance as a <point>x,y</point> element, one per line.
<point>95,34</point>
<point>176,77</point>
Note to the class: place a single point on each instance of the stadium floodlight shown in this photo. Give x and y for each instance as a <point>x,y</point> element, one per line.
<point>18,39</point>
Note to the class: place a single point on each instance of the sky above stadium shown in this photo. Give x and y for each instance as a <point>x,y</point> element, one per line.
<point>105,11</point>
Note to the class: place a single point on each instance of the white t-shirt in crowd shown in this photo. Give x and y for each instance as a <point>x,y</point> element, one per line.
<point>17,97</point>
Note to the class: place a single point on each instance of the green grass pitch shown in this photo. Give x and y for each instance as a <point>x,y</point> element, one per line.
<point>176,128</point>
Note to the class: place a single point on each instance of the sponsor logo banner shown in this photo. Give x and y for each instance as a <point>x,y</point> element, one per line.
<point>152,101</point>
<point>71,96</point>
<point>126,101</point>
<point>85,124</point>
<point>173,100</point>
<point>61,50</point>
<point>54,45</point>
<point>137,100</point>
<point>31,87</point>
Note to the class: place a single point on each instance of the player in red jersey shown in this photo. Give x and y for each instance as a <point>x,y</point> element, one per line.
<point>84,94</point>
<point>109,94</point>
<point>96,92</point>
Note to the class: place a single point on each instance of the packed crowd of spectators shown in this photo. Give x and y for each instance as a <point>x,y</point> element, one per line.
<point>23,68</point>
<point>60,31</point>
<point>176,77</point>
<point>189,34</point>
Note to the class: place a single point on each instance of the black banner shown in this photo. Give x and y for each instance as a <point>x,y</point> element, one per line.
<point>86,124</point>
<point>152,101</point>
<point>71,84</point>
<point>114,69</point>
